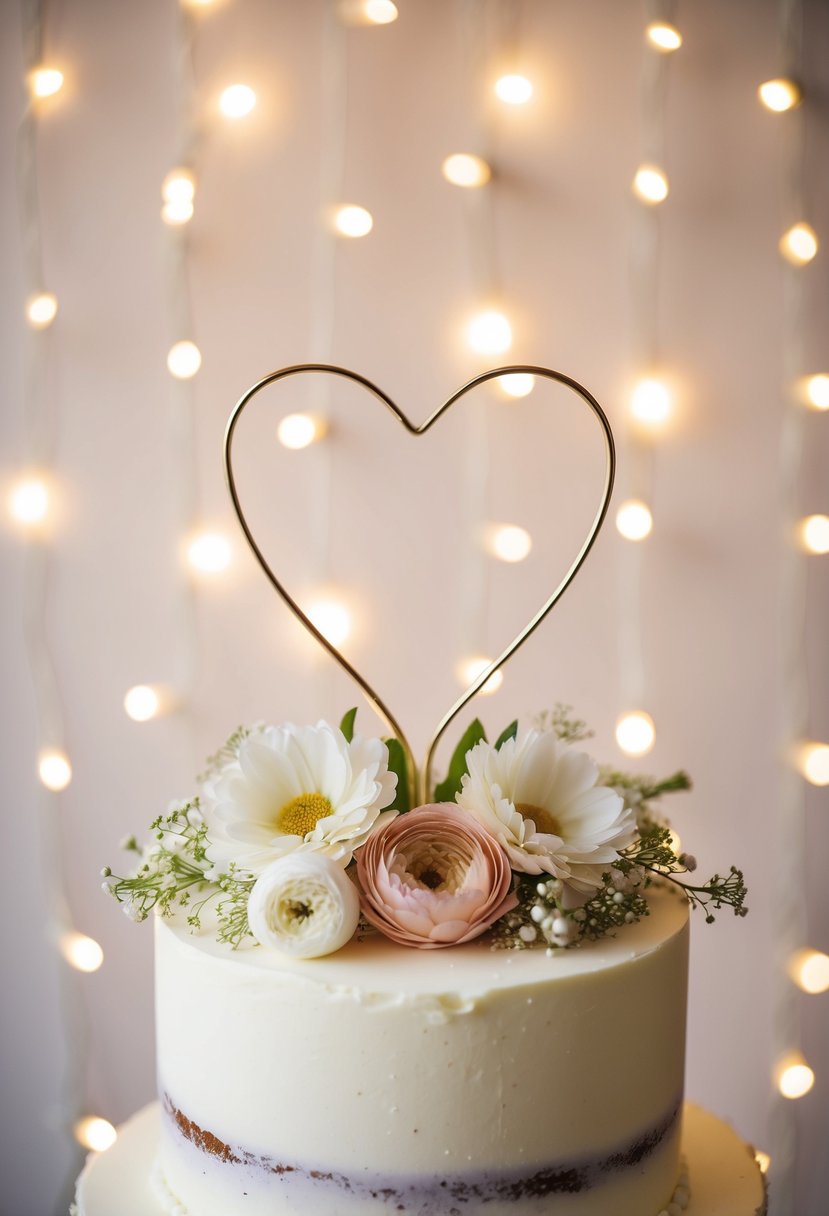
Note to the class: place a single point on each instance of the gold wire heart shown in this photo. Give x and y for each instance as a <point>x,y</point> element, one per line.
<point>420,783</point>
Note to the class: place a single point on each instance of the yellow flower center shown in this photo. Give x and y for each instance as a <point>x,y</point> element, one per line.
<point>302,814</point>
<point>543,820</point>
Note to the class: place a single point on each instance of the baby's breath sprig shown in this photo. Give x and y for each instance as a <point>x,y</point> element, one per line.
<point>562,721</point>
<point>175,873</point>
<point>232,908</point>
<point>227,752</point>
<point>541,918</point>
<point>653,852</point>
<point>620,901</point>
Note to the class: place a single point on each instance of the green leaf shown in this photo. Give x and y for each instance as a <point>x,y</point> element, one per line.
<point>509,733</point>
<point>347,724</point>
<point>679,781</point>
<point>398,765</point>
<point>446,790</point>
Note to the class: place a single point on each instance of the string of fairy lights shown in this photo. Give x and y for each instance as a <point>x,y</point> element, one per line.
<point>801,969</point>
<point>34,504</point>
<point>488,334</point>
<point>650,404</point>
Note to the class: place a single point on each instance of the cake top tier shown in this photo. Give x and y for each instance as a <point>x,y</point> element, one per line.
<point>372,964</point>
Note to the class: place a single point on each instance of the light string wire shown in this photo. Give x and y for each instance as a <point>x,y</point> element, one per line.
<point>644,270</point>
<point>478,33</point>
<point>40,402</point>
<point>182,393</point>
<point>791,913</point>
<point>334,93</point>
<point>483,35</point>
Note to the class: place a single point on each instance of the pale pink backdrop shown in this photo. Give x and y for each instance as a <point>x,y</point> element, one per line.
<point>562,226</point>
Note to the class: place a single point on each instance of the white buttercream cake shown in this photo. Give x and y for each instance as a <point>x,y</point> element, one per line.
<point>394,1080</point>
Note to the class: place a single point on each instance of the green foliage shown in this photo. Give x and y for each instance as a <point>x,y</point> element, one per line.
<point>508,733</point>
<point>446,790</point>
<point>347,724</point>
<point>397,764</point>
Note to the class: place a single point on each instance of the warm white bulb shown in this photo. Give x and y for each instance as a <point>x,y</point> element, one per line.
<point>353,221</point>
<point>367,12</point>
<point>779,95</point>
<point>179,186</point>
<point>29,501</point>
<point>237,100</point>
<point>209,553</point>
<point>663,36</point>
<point>380,12</point>
<point>650,184</point>
<point>634,520</point>
<point>763,1160</point>
<point>95,1133</point>
<point>813,534</point>
<point>799,244</point>
<point>635,733</point>
<point>184,360</point>
<point>45,82</point>
<point>489,333</point>
<point>812,760</point>
<point>466,169</point>
<point>178,191</point>
<point>650,402</point>
<point>41,309</point>
<point>178,212</point>
<point>332,619</point>
<point>469,670</point>
<point>515,90</point>
<point>297,431</point>
<point>142,703</point>
<point>809,969</point>
<point>517,384</point>
<point>816,391</point>
<point>81,952</point>
<point>509,542</point>
<point>54,770</point>
<point>794,1077</point>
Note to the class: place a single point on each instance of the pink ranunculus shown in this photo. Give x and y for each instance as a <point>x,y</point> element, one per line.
<point>434,877</point>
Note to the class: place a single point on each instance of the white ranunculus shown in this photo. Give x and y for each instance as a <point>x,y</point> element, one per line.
<point>541,800</point>
<point>304,905</point>
<point>297,788</point>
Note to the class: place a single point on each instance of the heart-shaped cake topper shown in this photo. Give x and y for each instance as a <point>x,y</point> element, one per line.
<point>421,783</point>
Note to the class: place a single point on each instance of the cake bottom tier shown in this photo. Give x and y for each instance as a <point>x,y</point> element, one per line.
<point>724,1179</point>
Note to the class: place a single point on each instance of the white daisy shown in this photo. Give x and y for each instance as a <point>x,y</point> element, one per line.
<point>297,788</point>
<point>541,802</point>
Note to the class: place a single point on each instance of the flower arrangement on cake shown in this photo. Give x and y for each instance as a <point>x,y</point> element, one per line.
<point>302,836</point>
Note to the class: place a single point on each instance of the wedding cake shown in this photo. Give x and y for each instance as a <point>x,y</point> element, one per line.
<point>377,993</point>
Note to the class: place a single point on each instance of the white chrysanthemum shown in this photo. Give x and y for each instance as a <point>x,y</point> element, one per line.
<point>297,788</point>
<point>304,905</point>
<point>540,800</point>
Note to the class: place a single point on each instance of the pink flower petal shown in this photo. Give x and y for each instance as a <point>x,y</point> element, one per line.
<point>474,873</point>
